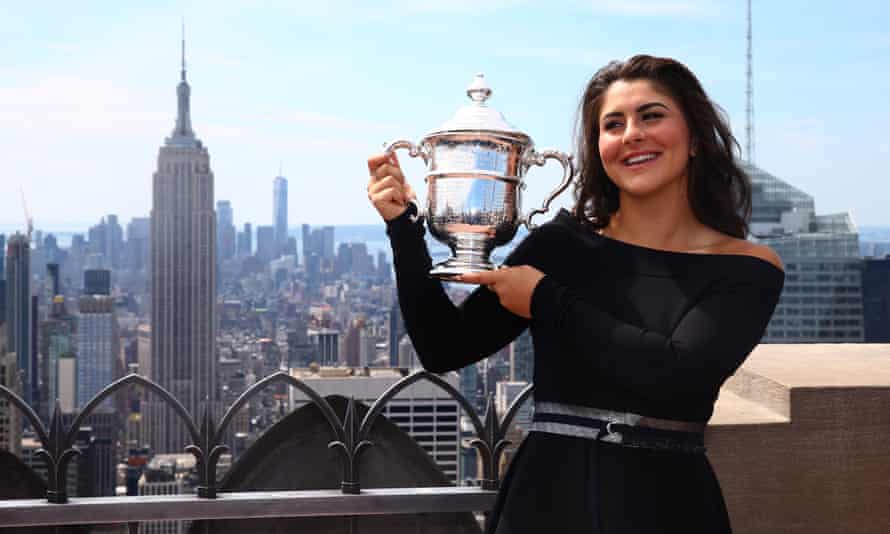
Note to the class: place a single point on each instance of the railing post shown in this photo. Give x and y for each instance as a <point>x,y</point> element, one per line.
<point>351,448</point>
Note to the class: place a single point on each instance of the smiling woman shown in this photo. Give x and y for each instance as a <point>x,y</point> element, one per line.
<point>641,304</point>
<point>654,107</point>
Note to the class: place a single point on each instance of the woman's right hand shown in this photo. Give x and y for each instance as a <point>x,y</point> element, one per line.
<point>387,189</point>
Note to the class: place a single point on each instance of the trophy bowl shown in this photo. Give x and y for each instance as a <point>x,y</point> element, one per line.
<point>476,165</point>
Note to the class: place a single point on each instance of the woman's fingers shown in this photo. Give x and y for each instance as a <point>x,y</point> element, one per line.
<point>387,189</point>
<point>389,183</point>
<point>485,278</point>
<point>375,161</point>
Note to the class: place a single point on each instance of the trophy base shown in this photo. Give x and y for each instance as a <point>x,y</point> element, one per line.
<point>449,270</point>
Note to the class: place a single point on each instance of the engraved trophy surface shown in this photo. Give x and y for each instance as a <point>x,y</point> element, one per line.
<point>476,164</point>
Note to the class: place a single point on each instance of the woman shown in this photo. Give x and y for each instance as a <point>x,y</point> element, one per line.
<point>641,303</point>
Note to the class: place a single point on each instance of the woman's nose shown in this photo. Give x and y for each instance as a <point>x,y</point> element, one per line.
<point>633,132</point>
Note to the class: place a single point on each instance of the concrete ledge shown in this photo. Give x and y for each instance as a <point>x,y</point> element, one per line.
<point>800,440</point>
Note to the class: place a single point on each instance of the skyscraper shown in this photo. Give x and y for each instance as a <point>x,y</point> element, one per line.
<point>279,212</point>
<point>2,257</point>
<point>265,243</point>
<point>138,247</point>
<point>2,279</point>
<point>97,347</point>
<point>822,298</point>
<point>245,241</point>
<point>57,341</point>
<point>183,248</point>
<point>225,230</point>
<point>18,311</point>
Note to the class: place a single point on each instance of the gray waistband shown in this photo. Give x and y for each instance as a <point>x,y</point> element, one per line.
<point>611,416</point>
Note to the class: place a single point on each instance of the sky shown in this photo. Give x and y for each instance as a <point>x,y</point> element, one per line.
<point>88,93</point>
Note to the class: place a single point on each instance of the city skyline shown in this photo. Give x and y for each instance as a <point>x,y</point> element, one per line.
<point>276,88</point>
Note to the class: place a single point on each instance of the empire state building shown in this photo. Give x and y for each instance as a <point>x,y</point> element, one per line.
<point>183,281</point>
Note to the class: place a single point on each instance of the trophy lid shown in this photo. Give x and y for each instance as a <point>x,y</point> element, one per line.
<point>478,116</point>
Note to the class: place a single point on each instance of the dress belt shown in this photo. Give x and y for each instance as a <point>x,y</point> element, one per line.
<point>620,428</point>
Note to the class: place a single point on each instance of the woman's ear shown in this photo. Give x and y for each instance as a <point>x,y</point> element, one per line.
<point>693,148</point>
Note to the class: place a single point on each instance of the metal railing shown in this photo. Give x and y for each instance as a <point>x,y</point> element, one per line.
<point>349,436</point>
<point>244,505</point>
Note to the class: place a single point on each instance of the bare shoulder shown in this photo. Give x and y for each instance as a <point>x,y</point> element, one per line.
<point>748,248</point>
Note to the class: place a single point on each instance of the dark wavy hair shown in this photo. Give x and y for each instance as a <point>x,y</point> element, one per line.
<point>719,191</point>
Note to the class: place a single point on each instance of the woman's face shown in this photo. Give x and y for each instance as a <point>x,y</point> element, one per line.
<point>643,138</point>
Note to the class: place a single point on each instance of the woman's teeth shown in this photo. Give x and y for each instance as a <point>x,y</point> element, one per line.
<point>639,159</point>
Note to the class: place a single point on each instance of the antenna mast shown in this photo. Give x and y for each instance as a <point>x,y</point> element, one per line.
<point>28,219</point>
<point>749,105</point>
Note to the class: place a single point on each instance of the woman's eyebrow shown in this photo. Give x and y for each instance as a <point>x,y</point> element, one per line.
<point>642,108</point>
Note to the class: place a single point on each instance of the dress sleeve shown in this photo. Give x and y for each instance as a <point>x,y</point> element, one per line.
<point>446,336</point>
<point>709,343</point>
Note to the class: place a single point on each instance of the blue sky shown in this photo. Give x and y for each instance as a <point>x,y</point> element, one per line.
<point>87,92</point>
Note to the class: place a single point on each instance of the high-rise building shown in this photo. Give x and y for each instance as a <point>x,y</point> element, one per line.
<point>245,241</point>
<point>10,417</point>
<point>327,243</point>
<point>115,244</point>
<point>522,358</point>
<point>97,282</point>
<point>95,464</point>
<point>327,345</point>
<point>265,243</point>
<point>107,242</point>
<point>396,331</point>
<point>2,257</point>
<point>57,341</point>
<point>876,299</point>
<point>305,237</point>
<point>183,245</point>
<point>138,247</point>
<point>384,269</point>
<point>18,312</point>
<point>423,410</point>
<point>97,347</point>
<point>822,298</point>
<point>279,212</point>
<point>166,474</point>
<point>225,230</point>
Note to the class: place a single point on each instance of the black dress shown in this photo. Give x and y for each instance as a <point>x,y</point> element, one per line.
<point>615,326</point>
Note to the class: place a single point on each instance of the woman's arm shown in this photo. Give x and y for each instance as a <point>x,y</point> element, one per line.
<point>446,337</point>
<point>707,346</point>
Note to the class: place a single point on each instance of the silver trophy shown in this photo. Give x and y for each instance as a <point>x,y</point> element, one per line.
<point>476,165</point>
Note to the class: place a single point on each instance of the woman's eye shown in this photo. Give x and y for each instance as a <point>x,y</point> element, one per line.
<point>652,115</point>
<point>610,125</point>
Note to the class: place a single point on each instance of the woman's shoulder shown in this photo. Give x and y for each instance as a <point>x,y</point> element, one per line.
<point>743,247</point>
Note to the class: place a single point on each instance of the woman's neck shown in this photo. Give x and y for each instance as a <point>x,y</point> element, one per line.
<point>662,222</point>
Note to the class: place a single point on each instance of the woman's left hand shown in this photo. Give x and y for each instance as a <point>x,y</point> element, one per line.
<point>513,286</point>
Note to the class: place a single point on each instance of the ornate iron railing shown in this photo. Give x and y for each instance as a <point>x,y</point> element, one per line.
<point>349,436</point>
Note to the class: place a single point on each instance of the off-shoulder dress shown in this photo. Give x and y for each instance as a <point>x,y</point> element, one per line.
<point>615,326</point>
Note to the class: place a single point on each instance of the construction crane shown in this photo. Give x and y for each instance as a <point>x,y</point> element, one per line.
<point>28,219</point>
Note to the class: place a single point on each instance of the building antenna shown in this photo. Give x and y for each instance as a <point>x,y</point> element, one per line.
<point>749,104</point>
<point>183,49</point>
<point>28,220</point>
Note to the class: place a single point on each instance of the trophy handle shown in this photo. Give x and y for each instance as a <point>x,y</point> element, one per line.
<point>540,158</point>
<point>413,151</point>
